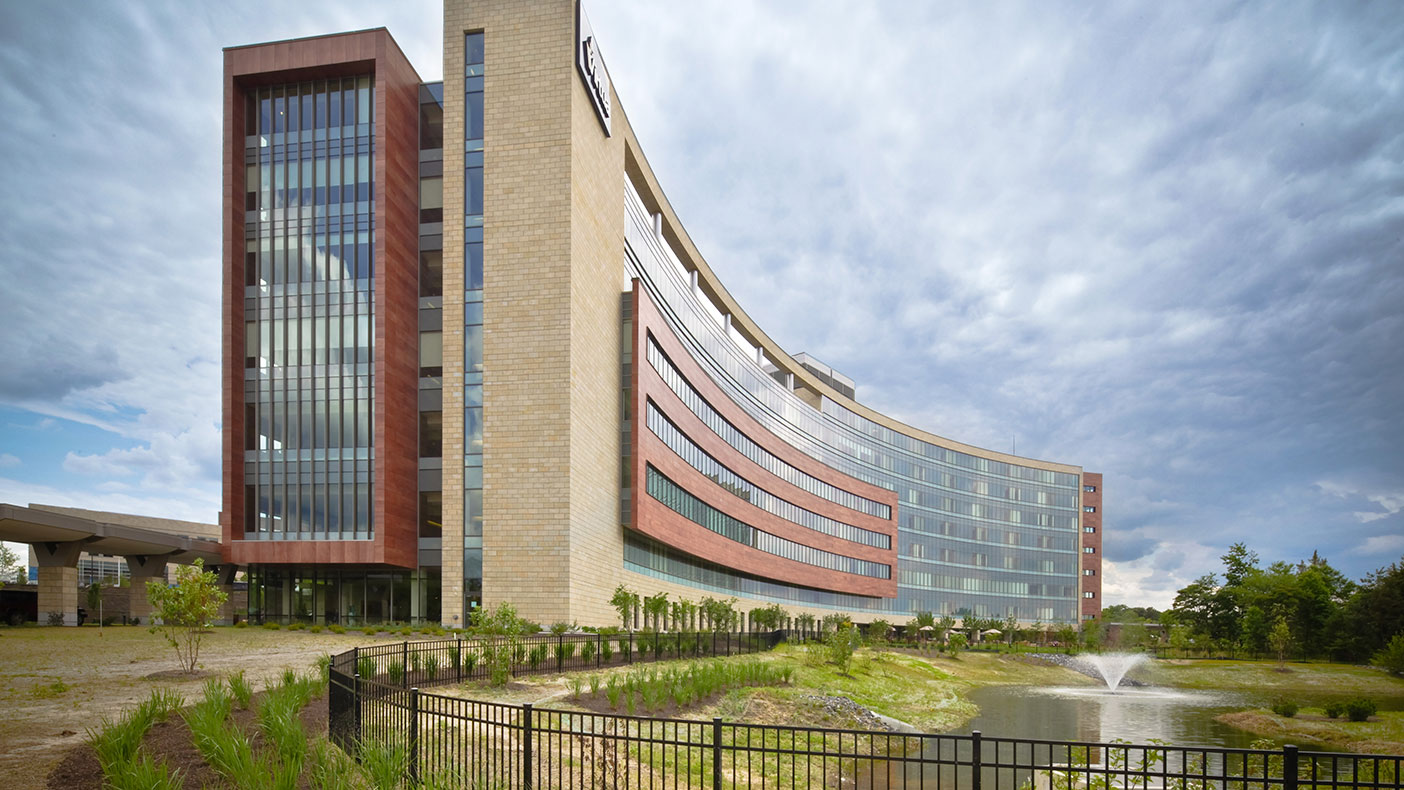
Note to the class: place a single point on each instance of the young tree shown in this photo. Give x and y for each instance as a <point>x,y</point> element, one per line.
<point>625,601</point>
<point>1281,641</point>
<point>924,623</point>
<point>1391,658</point>
<point>843,641</point>
<point>185,609</point>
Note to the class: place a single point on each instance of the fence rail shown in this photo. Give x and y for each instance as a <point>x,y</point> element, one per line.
<point>453,741</point>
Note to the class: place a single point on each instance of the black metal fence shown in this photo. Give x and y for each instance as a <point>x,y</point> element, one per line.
<point>452,741</point>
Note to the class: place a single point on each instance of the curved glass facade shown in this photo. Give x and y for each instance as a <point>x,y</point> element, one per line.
<point>977,536</point>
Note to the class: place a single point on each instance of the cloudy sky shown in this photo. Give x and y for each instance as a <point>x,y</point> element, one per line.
<point>1164,241</point>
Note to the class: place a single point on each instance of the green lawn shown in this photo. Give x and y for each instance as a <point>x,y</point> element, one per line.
<point>1382,734</point>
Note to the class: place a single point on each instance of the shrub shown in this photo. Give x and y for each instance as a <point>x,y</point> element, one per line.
<point>316,629</point>
<point>337,628</point>
<point>431,667</point>
<point>575,685</point>
<point>407,631</point>
<point>536,656</point>
<point>1360,709</point>
<point>241,624</point>
<point>587,651</point>
<point>1334,709</point>
<point>371,630</point>
<point>365,667</point>
<point>396,672</point>
<point>559,627</point>
<point>1391,658</point>
<point>565,651</point>
<point>470,660</point>
<point>606,650</point>
<point>272,626</point>
<point>296,626</point>
<point>1286,708</point>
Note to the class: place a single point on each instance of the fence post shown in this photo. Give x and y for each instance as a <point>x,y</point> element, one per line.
<point>404,662</point>
<point>560,641</point>
<point>526,746</point>
<point>414,736</point>
<point>599,650</point>
<point>458,670</point>
<point>1289,767</point>
<point>716,753</point>
<point>356,703</point>
<point>975,760</point>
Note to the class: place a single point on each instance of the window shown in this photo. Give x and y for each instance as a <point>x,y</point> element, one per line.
<point>1088,550</point>
<point>1090,489</point>
<point>431,125</point>
<point>431,272</point>
<point>431,354</point>
<point>431,434</point>
<point>1089,594</point>
<point>1089,572</point>
<point>431,199</point>
<point>1089,617</point>
<point>1089,530</point>
<point>1089,508</point>
<point>431,508</point>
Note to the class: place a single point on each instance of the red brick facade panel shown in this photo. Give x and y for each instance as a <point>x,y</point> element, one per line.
<point>1092,561</point>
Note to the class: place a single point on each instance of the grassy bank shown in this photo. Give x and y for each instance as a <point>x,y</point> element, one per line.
<point>926,692</point>
<point>1266,677</point>
<point>1382,734</point>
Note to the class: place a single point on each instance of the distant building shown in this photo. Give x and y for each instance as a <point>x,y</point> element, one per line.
<point>471,355</point>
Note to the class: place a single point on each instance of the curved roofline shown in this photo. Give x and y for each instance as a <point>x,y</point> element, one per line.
<point>638,169</point>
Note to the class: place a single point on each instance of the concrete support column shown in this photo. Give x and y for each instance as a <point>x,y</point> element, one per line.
<point>58,580</point>
<point>144,568</point>
<point>224,574</point>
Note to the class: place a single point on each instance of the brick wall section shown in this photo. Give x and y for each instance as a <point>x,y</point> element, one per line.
<point>527,293</point>
<point>1093,584</point>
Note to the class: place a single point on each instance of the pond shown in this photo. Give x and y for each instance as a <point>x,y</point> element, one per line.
<point>1182,717</point>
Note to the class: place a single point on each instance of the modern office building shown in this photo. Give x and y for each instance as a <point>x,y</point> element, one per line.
<point>471,355</point>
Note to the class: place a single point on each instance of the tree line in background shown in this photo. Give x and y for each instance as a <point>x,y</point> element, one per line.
<point>1306,610</point>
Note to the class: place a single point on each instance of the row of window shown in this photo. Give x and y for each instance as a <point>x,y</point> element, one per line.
<point>675,498</point>
<point>744,445</point>
<point>944,582</point>
<point>308,512</point>
<point>308,106</point>
<point>742,488</point>
<point>319,258</point>
<point>307,424</point>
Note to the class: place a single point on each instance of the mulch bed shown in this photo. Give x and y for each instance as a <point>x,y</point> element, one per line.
<point>170,740</point>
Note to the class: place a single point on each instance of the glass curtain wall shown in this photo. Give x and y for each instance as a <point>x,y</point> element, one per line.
<point>349,596</point>
<point>309,306</point>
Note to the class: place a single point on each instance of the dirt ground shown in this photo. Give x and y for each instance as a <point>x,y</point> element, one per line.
<point>57,682</point>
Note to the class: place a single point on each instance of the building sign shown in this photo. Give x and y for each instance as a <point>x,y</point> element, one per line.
<point>592,67</point>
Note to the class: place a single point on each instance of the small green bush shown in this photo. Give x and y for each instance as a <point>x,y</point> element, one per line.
<point>365,667</point>
<point>1360,709</point>
<point>242,624</point>
<point>316,629</point>
<point>337,628</point>
<point>1334,709</point>
<point>272,626</point>
<point>396,671</point>
<point>296,626</point>
<point>1286,708</point>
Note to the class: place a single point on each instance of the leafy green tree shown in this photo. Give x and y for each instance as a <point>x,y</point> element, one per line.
<point>878,630</point>
<point>1255,629</point>
<point>10,566</point>
<point>956,643</point>
<point>185,609</point>
<point>624,601</point>
<point>923,623</point>
<point>655,609</point>
<point>1391,658</point>
<point>1374,611</point>
<point>944,626</point>
<point>842,643</point>
<point>1280,639</point>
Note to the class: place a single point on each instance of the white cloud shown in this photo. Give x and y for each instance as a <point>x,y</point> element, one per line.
<point>7,461</point>
<point>1381,545</point>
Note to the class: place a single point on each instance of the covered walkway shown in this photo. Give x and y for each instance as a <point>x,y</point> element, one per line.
<point>60,535</point>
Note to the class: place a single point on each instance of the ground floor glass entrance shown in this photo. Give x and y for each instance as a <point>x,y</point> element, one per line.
<point>345,595</point>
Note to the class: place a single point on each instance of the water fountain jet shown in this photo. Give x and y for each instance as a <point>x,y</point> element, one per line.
<point>1112,667</point>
